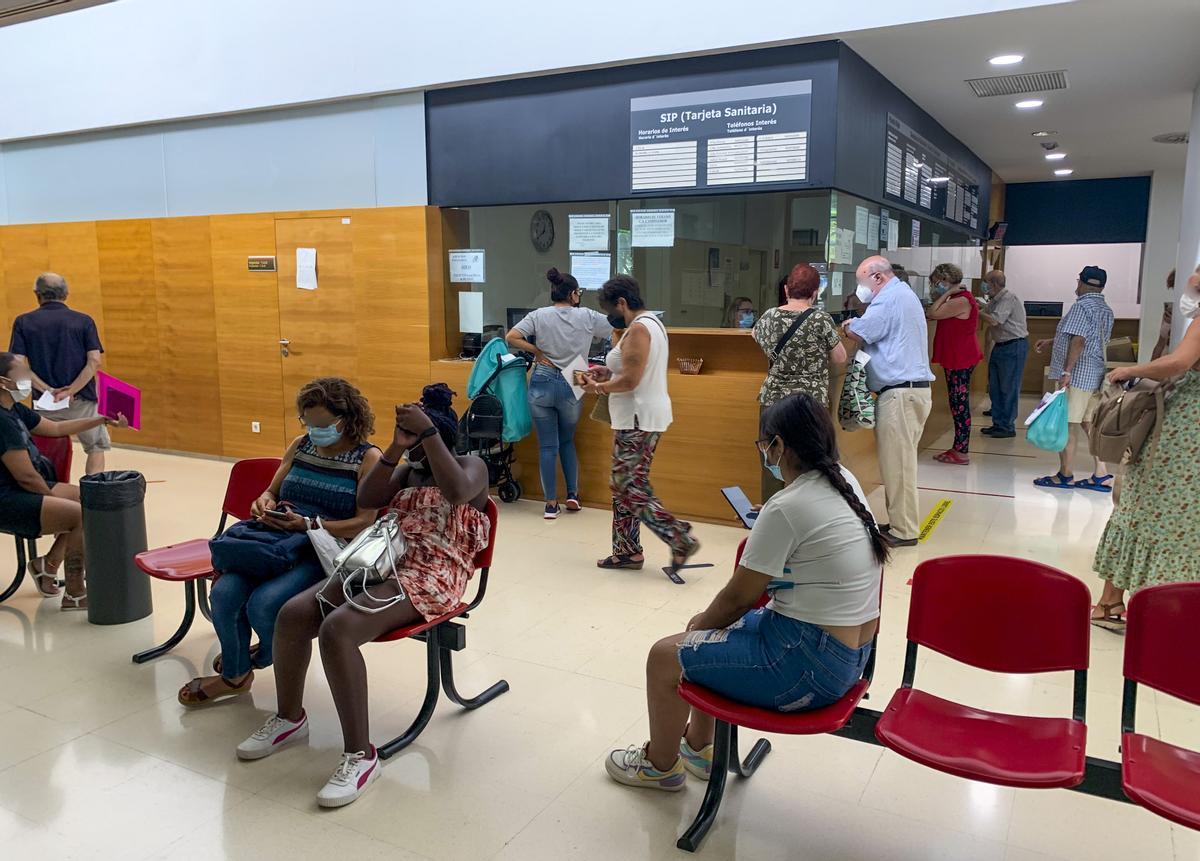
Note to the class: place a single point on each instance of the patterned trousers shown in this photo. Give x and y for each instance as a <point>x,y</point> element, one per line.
<point>634,502</point>
<point>958,384</point>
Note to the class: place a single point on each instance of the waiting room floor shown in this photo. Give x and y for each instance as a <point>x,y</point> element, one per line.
<point>97,760</point>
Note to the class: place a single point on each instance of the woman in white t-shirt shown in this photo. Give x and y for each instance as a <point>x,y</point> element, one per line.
<point>816,545</point>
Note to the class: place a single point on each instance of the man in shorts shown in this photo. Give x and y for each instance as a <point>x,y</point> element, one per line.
<point>63,350</point>
<point>1077,361</point>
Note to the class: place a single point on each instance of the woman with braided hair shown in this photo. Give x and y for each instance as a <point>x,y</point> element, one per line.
<point>816,549</point>
<point>440,499</point>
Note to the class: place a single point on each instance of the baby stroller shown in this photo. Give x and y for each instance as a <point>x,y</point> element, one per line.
<point>480,432</point>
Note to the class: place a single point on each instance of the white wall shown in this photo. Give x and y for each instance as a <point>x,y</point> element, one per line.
<point>1162,247</point>
<point>1050,273</point>
<point>1189,226</point>
<point>369,152</point>
<point>139,61</point>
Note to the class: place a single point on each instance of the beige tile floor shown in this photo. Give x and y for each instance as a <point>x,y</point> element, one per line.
<point>98,761</point>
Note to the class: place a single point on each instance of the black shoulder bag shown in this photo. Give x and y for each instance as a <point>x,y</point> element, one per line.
<point>774,355</point>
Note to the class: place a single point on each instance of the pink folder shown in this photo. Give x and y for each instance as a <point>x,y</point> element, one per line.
<point>115,396</point>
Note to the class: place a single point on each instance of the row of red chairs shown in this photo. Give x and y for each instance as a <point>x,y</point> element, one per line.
<point>190,563</point>
<point>952,611</point>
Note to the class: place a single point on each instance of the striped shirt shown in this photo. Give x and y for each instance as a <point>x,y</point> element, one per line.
<point>324,486</point>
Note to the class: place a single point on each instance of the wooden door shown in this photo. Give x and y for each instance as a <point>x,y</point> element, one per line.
<point>318,325</point>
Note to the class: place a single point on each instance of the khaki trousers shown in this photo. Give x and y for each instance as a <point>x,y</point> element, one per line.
<point>900,416</point>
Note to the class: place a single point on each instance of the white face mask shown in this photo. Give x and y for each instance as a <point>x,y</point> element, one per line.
<point>1189,305</point>
<point>864,293</point>
<point>24,388</point>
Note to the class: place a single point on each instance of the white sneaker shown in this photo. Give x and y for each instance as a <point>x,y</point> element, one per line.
<point>274,735</point>
<point>632,767</point>
<point>350,779</point>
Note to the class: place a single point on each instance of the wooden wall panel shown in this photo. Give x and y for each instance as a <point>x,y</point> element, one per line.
<point>392,302</point>
<point>72,251</point>
<point>24,254</point>
<point>126,257</point>
<point>187,334</point>
<point>246,308</point>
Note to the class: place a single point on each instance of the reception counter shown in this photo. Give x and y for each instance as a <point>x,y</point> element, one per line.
<point>710,445</point>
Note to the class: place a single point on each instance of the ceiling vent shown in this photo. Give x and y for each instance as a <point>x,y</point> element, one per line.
<point>1171,138</point>
<point>1014,85</point>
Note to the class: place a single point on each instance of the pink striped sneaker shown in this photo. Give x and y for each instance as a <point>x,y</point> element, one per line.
<point>274,735</point>
<point>354,774</point>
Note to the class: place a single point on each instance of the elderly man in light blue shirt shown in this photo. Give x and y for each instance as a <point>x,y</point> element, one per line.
<point>892,331</point>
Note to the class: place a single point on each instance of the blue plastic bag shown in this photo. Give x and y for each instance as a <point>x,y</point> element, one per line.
<point>1049,428</point>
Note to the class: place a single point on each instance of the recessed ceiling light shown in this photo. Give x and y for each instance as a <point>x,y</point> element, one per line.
<point>939,179</point>
<point>1029,103</point>
<point>1006,59</point>
<point>1043,134</point>
<point>1055,156</point>
<point>1065,171</point>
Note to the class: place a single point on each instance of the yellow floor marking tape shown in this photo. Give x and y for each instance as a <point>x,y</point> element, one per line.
<point>934,518</point>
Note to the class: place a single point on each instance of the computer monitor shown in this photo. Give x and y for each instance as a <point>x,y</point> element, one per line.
<point>516,315</point>
<point>1043,309</point>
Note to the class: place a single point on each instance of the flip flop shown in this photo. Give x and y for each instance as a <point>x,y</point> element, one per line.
<point>1110,621</point>
<point>1096,483</point>
<point>1056,480</point>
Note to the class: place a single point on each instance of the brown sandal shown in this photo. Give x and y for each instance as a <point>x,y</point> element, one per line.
<point>192,695</point>
<point>622,561</point>
<point>1110,621</point>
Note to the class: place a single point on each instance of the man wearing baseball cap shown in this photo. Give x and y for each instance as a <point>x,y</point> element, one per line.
<point>1077,360</point>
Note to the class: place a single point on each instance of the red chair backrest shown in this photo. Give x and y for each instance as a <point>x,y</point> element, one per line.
<point>1160,625</point>
<point>483,559</point>
<point>248,480</point>
<point>1001,614</point>
<point>59,452</point>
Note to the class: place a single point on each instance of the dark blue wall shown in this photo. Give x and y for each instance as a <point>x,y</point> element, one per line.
<point>865,98</point>
<point>1075,212</point>
<point>566,137</point>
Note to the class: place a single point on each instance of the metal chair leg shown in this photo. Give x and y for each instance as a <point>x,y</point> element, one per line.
<point>202,597</point>
<point>19,577</point>
<point>747,767</point>
<point>694,836</point>
<point>189,614</point>
<point>391,748</point>
<point>447,664</point>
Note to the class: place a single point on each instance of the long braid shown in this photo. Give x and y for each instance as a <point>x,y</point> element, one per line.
<point>833,473</point>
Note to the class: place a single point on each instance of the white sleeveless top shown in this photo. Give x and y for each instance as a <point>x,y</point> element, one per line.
<point>648,407</point>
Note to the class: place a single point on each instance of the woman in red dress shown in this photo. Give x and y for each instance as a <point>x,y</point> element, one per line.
<point>956,349</point>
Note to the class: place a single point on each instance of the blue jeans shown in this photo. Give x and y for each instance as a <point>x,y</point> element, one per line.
<point>1005,368</point>
<point>772,661</point>
<point>555,411</point>
<point>240,604</point>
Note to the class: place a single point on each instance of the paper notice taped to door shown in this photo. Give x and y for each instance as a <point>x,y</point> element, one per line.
<point>306,268</point>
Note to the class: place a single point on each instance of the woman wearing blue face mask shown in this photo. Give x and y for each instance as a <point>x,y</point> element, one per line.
<point>317,482</point>
<point>741,314</point>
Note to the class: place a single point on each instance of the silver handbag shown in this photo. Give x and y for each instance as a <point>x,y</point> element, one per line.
<point>372,557</point>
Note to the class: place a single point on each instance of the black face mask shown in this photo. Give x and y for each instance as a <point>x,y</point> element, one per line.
<point>617,321</point>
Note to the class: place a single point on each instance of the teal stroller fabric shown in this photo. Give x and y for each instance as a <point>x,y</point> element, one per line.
<point>510,386</point>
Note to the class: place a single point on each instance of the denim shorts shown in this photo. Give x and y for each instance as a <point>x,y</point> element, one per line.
<point>772,661</point>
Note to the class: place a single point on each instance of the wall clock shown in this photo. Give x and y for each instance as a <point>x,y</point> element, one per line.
<point>541,230</point>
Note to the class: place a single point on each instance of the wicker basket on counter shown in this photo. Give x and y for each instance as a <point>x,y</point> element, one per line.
<point>690,367</point>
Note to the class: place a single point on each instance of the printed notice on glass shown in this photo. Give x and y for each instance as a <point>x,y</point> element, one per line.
<point>844,252</point>
<point>737,136</point>
<point>591,270</point>
<point>652,228</point>
<point>467,266</point>
<point>893,233</point>
<point>916,233</point>
<point>873,233</point>
<point>306,268</point>
<point>861,225</point>
<point>589,232</point>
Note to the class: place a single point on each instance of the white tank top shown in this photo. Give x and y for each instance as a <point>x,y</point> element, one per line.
<point>648,407</point>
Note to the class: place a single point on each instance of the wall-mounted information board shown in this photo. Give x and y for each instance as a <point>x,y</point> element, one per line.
<point>920,175</point>
<point>740,136</point>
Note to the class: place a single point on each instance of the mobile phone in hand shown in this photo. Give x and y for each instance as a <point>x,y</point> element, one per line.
<point>276,512</point>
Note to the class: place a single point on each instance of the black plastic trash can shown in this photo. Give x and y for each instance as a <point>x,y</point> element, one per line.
<point>114,531</point>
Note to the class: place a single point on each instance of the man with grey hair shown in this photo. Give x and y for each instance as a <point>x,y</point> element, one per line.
<point>1004,315</point>
<point>893,332</point>
<point>63,350</point>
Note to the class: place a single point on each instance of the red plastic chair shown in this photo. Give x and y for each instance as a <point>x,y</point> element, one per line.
<point>731,714</point>
<point>1159,776</point>
<point>443,636</point>
<point>60,453</point>
<point>953,612</point>
<point>189,563</point>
